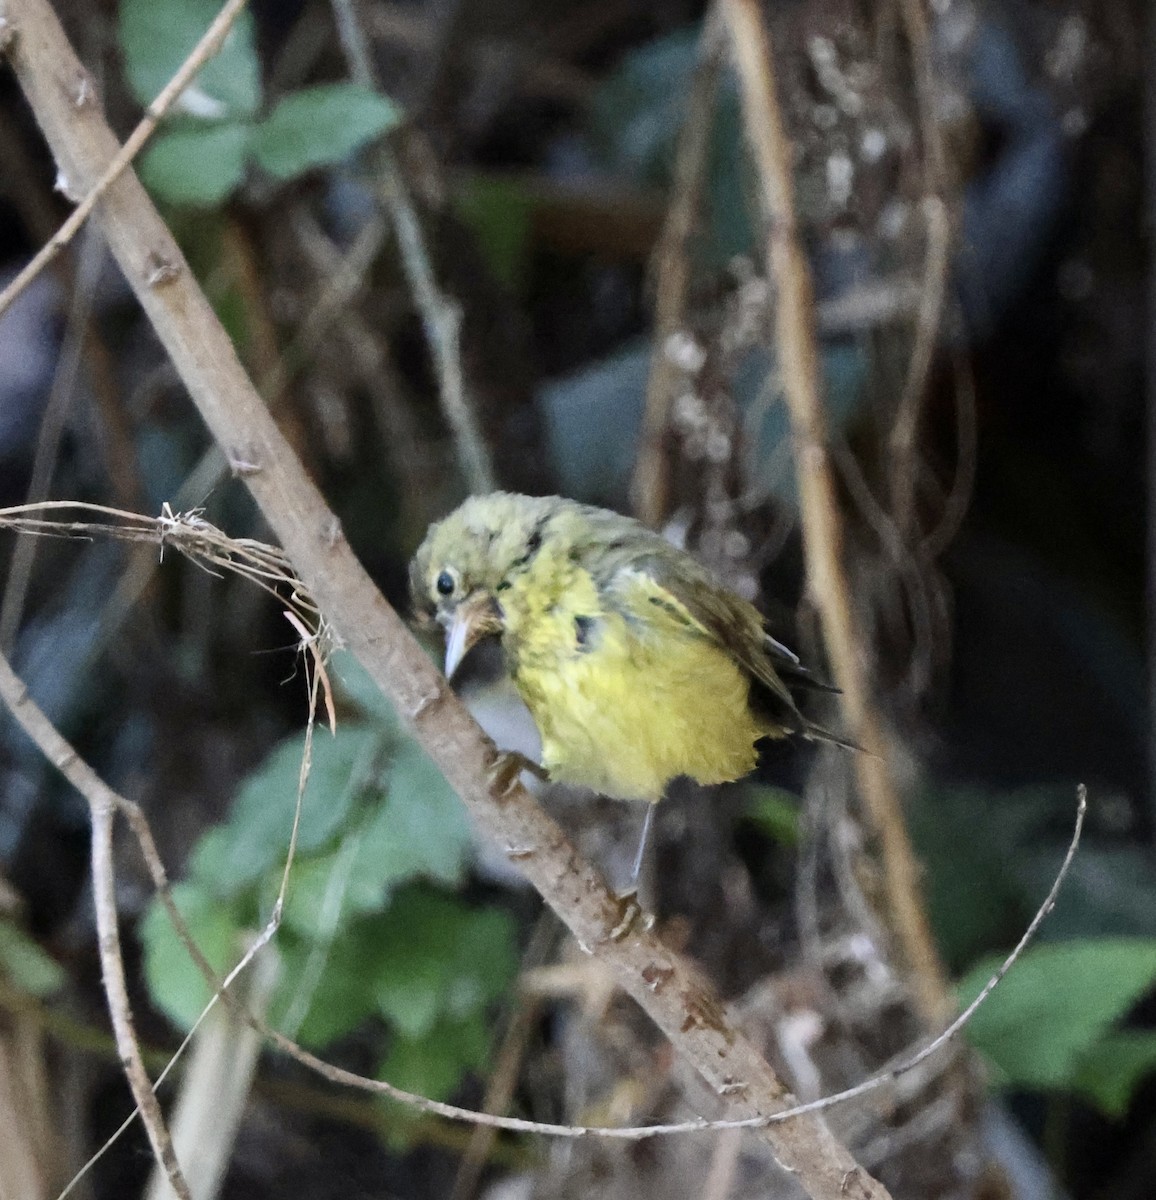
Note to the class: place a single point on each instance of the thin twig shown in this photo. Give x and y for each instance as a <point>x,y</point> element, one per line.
<point>441,319</point>
<point>83,98</point>
<point>102,804</point>
<point>354,43</point>
<point>822,526</point>
<point>650,486</point>
<point>112,970</point>
<point>905,430</point>
<point>52,426</point>
<point>936,270</point>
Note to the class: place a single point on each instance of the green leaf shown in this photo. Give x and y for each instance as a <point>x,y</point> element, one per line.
<point>256,837</point>
<point>422,829</point>
<point>25,965</point>
<point>776,812</point>
<point>433,1064</point>
<point>346,876</point>
<point>435,957</point>
<point>197,164</point>
<point>354,684</point>
<point>173,979</point>
<point>1055,1004</point>
<point>1110,1071</point>
<point>344,995</point>
<point>426,959</point>
<point>320,126</point>
<point>157,36</point>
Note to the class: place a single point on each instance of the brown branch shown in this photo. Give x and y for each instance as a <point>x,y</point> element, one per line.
<point>822,527</point>
<point>936,268</point>
<point>661,982</point>
<point>650,486</point>
<point>102,803</point>
<point>81,95</point>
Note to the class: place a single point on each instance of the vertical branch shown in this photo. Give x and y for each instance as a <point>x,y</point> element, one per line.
<point>936,269</point>
<point>52,426</point>
<point>822,528</point>
<point>650,487</point>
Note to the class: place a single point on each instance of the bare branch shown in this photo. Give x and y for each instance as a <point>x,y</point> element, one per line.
<point>650,487</point>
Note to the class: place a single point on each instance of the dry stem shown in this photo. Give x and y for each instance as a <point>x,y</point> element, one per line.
<point>822,528</point>
<point>650,486</point>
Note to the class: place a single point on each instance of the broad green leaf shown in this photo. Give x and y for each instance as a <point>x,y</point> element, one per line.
<point>156,36</point>
<point>175,984</point>
<point>25,965</point>
<point>197,164</point>
<point>1110,1070</point>
<point>321,126</point>
<point>422,828</point>
<point>1055,1004</point>
<point>341,995</point>
<point>434,957</point>
<point>327,890</point>
<point>433,1064</point>
<point>255,839</point>
<point>354,684</point>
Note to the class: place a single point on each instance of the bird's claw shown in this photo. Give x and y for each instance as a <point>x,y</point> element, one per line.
<point>503,772</point>
<point>631,918</point>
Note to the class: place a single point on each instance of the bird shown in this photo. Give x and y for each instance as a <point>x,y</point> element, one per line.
<point>636,663</point>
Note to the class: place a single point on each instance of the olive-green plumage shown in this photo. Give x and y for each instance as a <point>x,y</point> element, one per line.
<point>636,664</point>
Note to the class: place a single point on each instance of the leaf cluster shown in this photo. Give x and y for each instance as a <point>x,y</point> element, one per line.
<point>370,929</point>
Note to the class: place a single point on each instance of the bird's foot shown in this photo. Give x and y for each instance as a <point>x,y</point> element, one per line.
<point>631,918</point>
<point>503,772</point>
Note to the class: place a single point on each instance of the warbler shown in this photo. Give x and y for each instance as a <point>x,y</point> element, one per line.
<point>635,662</point>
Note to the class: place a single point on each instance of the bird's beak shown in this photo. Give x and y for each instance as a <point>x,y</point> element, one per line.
<point>474,618</point>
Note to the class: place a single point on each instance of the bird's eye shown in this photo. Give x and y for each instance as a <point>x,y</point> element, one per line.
<point>445,584</point>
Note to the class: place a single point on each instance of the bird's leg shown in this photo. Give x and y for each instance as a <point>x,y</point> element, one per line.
<point>646,824</point>
<point>631,914</point>
<point>503,772</point>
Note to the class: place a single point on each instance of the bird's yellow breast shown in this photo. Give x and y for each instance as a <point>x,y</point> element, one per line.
<point>625,703</point>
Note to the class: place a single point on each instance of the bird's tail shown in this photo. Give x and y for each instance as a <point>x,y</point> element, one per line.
<point>816,733</point>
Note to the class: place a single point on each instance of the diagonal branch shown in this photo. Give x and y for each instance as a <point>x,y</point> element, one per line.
<point>664,984</point>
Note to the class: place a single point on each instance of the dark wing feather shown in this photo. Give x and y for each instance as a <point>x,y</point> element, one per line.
<point>619,549</point>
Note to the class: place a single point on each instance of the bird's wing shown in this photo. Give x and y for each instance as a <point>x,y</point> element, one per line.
<point>650,581</point>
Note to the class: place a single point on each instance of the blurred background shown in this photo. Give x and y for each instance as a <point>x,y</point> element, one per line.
<point>974,199</point>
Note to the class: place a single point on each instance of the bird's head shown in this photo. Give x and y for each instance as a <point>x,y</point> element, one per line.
<point>467,562</point>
